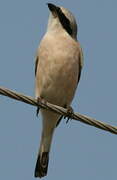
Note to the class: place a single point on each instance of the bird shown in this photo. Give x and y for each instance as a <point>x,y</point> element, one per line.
<point>58,65</point>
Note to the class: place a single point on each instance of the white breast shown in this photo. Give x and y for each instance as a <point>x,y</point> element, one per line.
<point>57,71</point>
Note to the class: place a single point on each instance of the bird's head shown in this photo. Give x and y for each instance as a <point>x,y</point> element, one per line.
<point>62,18</point>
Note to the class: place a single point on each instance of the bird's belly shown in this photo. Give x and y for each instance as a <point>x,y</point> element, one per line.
<point>58,83</point>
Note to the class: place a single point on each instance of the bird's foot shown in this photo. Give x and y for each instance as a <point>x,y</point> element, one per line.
<point>38,108</point>
<point>38,101</point>
<point>69,114</point>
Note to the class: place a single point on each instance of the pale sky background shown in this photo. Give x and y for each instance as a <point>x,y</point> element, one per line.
<point>78,150</point>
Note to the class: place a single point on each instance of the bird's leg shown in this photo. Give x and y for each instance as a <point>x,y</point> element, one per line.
<point>38,108</point>
<point>69,113</point>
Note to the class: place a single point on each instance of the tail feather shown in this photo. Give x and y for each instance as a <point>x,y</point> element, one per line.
<point>42,165</point>
<point>49,123</point>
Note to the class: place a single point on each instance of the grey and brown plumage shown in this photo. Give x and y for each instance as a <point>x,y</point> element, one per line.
<point>57,70</point>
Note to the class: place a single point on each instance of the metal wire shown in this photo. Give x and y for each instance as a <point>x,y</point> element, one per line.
<point>58,109</point>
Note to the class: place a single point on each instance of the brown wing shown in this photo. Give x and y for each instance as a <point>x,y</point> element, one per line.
<point>80,64</point>
<point>36,64</point>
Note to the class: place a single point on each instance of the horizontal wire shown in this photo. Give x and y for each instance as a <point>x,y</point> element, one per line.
<point>57,109</point>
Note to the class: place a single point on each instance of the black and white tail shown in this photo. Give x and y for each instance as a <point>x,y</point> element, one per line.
<point>49,124</point>
<point>42,165</point>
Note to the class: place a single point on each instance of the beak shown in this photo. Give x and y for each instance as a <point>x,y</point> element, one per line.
<point>54,9</point>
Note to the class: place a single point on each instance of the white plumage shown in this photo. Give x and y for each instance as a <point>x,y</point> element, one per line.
<point>58,69</point>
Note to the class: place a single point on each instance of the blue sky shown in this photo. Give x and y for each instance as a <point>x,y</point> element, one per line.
<point>78,151</point>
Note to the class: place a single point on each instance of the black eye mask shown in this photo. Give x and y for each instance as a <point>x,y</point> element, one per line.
<point>64,21</point>
<point>62,18</point>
